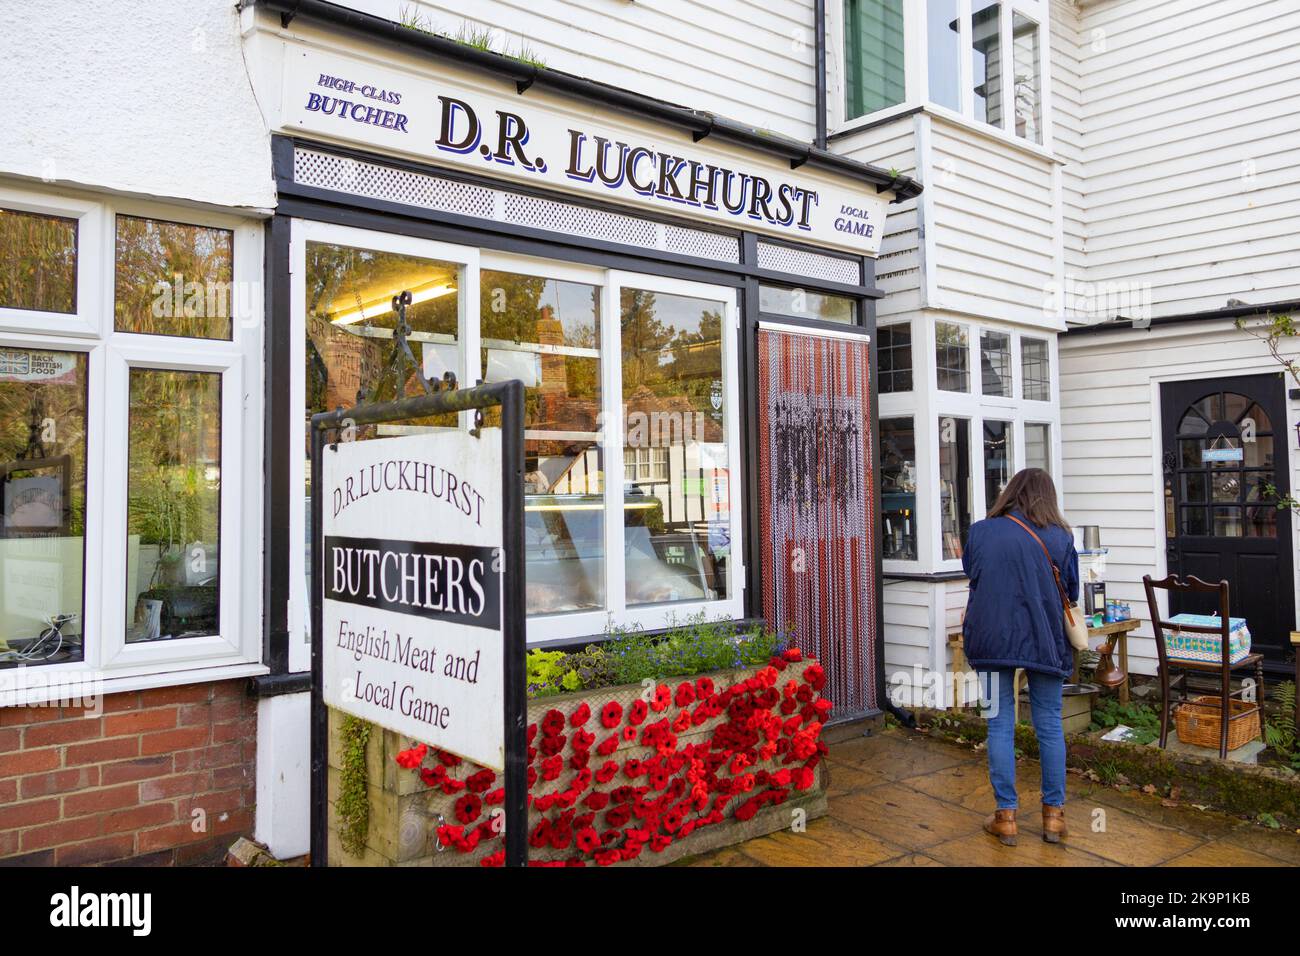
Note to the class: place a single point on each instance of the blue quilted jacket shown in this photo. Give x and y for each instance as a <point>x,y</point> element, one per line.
<point>1013,614</point>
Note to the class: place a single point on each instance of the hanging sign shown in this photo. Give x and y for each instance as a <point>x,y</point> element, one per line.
<point>411,560</point>
<point>538,140</point>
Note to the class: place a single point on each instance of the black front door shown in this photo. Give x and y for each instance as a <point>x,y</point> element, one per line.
<point>1225,465</point>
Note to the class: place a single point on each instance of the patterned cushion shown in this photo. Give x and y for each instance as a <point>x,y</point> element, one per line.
<point>1206,648</point>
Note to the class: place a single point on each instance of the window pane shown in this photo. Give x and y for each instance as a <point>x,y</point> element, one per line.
<point>546,333</point>
<point>801,304</point>
<point>1038,446</point>
<point>173,279</point>
<point>349,323</point>
<point>986,61</point>
<point>954,484</point>
<point>943,34</point>
<point>873,60</point>
<point>999,459</point>
<point>894,357</point>
<point>677,531</point>
<point>173,496</point>
<point>38,270</point>
<point>42,505</point>
<point>898,487</point>
<point>995,363</point>
<point>952,357</point>
<point>1035,370</point>
<point>1029,109</point>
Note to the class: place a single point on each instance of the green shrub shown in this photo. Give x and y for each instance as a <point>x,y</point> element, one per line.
<point>1144,720</point>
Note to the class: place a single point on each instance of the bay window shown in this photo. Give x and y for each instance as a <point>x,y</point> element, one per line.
<point>955,486</point>
<point>982,60</point>
<point>130,440</point>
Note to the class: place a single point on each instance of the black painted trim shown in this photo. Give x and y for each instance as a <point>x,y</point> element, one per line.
<point>278,444</point>
<point>277,685</point>
<point>1213,315</point>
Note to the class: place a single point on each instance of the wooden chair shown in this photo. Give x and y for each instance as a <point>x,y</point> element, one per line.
<point>1225,667</point>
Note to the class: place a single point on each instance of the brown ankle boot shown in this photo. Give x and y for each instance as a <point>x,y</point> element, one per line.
<point>1002,824</point>
<point>1054,830</point>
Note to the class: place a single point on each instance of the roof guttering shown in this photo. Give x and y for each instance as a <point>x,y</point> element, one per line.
<point>525,75</point>
<point>1213,315</point>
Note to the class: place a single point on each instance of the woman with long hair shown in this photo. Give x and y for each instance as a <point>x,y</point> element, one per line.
<point>1014,620</point>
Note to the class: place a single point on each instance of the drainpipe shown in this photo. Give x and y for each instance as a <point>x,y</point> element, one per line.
<point>819,45</point>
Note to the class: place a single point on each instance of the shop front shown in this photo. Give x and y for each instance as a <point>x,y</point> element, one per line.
<point>689,304</point>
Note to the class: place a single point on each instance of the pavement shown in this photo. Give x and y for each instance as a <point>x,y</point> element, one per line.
<point>901,798</point>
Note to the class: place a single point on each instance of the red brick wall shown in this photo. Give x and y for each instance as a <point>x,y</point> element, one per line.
<point>123,786</point>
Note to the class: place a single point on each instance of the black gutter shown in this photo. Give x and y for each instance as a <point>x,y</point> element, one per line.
<point>819,64</point>
<point>1213,315</point>
<point>526,75</point>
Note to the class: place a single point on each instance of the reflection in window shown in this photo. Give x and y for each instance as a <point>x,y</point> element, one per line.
<point>898,488</point>
<point>943,33</point>
<point>173,505</point>
<point>38,268</point>
<point>1028,93</point>
<point>173,279</point>
<point>986,65</point>
<point>995,363</point>
<point>1038,446</point>
<point>873,60</point>
<point>954,484</point>
<point>42,505</point>
<point>677,532</point>
<point>894,357</point>
<point>951,357</point>
<point>999,459</point>
<point>1035,370</point>
<point>802,304</point>
<point>1225,468</point>
<point>546,333</point>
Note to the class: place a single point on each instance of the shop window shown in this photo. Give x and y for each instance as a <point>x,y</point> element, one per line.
<point>1038,446</point>
<point>995,363</point>
<point>954,484</point>
<point>173,551</point>
<point>873,44</point>
<point>943,36</point>
<point>1035,370</point>
<point>546,333</point>
<point>986,61</point>
<point>801,304</point>
<point>898,488</point>
<point>43,405</point>
<point>677,533</point>
<point>1028,92</point>
<point>173,279</point>
<point>999,459</point>
<point>38,271</point>
<point>894,357</point>
<point>951,357</point>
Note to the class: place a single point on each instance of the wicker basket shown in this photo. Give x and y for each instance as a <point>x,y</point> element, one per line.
<point>1199,719</point>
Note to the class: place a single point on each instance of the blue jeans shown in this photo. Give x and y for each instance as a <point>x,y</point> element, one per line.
<point>1045,702</point>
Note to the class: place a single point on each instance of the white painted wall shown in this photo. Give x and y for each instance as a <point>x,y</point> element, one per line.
<point>144,98</point>
<point>1110,417</point>
<point>751,62</point>
<point>1188,149</point>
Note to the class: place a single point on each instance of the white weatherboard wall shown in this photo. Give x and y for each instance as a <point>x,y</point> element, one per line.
<point>1183,113</point>
<point>145,98</point>
<point>751,62</point>
<point>1110,417</point>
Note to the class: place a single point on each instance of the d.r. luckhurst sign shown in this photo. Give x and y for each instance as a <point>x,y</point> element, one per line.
<point>543,143</point>
<point>411,566</point>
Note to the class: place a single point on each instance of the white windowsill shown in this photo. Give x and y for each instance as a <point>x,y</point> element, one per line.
<point>66,682</point>
<point>953,118</point>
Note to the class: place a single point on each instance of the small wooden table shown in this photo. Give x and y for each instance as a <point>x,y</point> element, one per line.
<point>1121,629</point>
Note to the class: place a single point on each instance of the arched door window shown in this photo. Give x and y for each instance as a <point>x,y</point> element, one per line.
<point>1225,468</point>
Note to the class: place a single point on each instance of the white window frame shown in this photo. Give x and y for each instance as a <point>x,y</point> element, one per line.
<point>108,661</point>
<point>547,628</point>
<point>916,72</point>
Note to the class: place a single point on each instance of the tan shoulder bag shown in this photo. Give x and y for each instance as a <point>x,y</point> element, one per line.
<point>1076,628</point>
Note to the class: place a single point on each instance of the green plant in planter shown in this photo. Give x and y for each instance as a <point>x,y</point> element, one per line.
<point>545,672</point>
<point>1143,720</point>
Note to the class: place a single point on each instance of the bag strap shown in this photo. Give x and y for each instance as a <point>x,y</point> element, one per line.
<point>1056,573</point>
